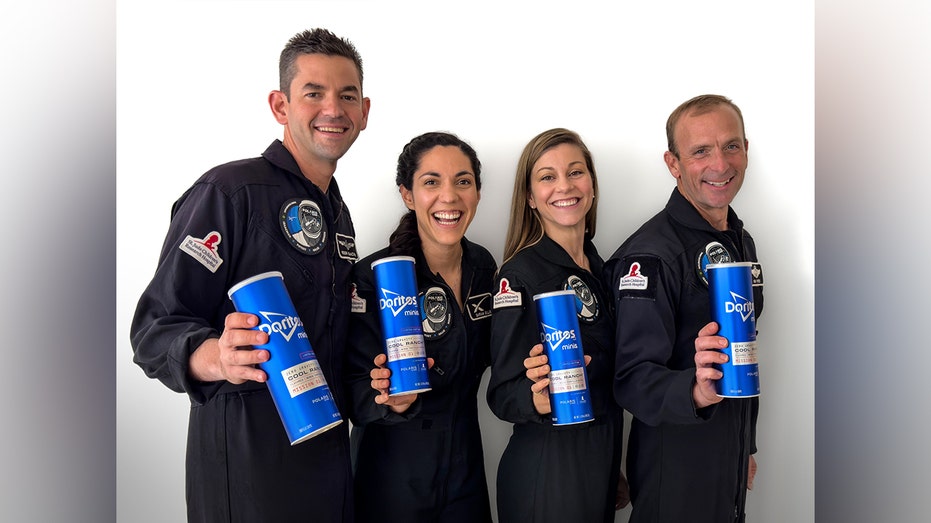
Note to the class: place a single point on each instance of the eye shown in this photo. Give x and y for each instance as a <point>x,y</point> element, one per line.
<point>312,95</point>
<point>700,152</point>
<point>464,181</point>
<point>350,97</point>
<point>733,147</point>
<point>576,173</point>
<point>546,177</point>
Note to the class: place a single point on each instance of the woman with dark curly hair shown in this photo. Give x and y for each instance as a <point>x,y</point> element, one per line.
<point>418,457</point>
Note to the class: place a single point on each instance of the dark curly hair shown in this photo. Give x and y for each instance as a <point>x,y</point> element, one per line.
<point>405,240</point>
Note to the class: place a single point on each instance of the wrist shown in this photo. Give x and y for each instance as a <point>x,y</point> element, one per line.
<point>203,365</point>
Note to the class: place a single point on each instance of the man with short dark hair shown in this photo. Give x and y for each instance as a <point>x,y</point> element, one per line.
<point>279,212</point>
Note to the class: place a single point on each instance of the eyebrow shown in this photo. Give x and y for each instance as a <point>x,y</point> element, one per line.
<point>550,168</point>
<point>434,173</point>
<point>310,86</point>
<point>735,139</point>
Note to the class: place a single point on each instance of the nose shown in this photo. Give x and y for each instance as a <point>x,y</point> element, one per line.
<point>718,161</point>
<point>331,106</point>
<point>563,183</point>
<point>448,193</point>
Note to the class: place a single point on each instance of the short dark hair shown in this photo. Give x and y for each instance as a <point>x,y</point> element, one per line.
<point>699,105</point>
<point>316,41</point>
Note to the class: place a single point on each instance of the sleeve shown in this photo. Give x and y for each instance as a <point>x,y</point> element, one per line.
<point>754,414</point>
<point>364,342</point>
<point>186,303</point>
<point>645,297</point>
<point>514,332</point>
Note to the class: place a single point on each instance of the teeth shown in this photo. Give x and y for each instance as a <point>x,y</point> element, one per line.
<point>719,184</point>
<point>566,203</point>
<point>332,129</point>
<point>447,215</point>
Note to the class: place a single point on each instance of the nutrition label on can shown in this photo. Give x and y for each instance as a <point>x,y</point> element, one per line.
<point>567,380</point>
<point>743,353</point>
<point>404,347</point>
<point>303,377</point>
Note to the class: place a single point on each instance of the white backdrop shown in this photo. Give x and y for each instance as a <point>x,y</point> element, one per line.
<point>192,82</point>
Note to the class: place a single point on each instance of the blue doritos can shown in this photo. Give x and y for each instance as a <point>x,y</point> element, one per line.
<point>562,344</point>
<point>399,310</point>
<point>296,382</point>
<point>731,292</point>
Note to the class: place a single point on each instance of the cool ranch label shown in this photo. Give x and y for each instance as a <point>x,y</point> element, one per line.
<point>404,347</point>
<point>303,377</point>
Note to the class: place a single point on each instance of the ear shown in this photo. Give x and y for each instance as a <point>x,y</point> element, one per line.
<point>366,105</point>
<point>672,163</point>
<point>530,202</point>
<point>278,103</point>
<point>407,196</point>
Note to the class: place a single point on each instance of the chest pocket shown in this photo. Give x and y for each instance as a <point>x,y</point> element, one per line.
<point>270,244</point>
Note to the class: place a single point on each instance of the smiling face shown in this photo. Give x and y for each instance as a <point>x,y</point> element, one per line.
<point>712,160</point>
<point>561,190</point>
<point>323,112</point>
<point>443,195</point>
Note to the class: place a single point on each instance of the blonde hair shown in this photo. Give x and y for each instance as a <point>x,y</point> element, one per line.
<point>524,225</point>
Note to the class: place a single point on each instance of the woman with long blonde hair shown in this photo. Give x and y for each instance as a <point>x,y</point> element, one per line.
<point>554,472</point>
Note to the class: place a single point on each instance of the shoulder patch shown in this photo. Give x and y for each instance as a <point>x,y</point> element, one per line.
<point>357,303</point>
<point>506,297</point>
<point>204,250</point>
<point>639,280</point>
